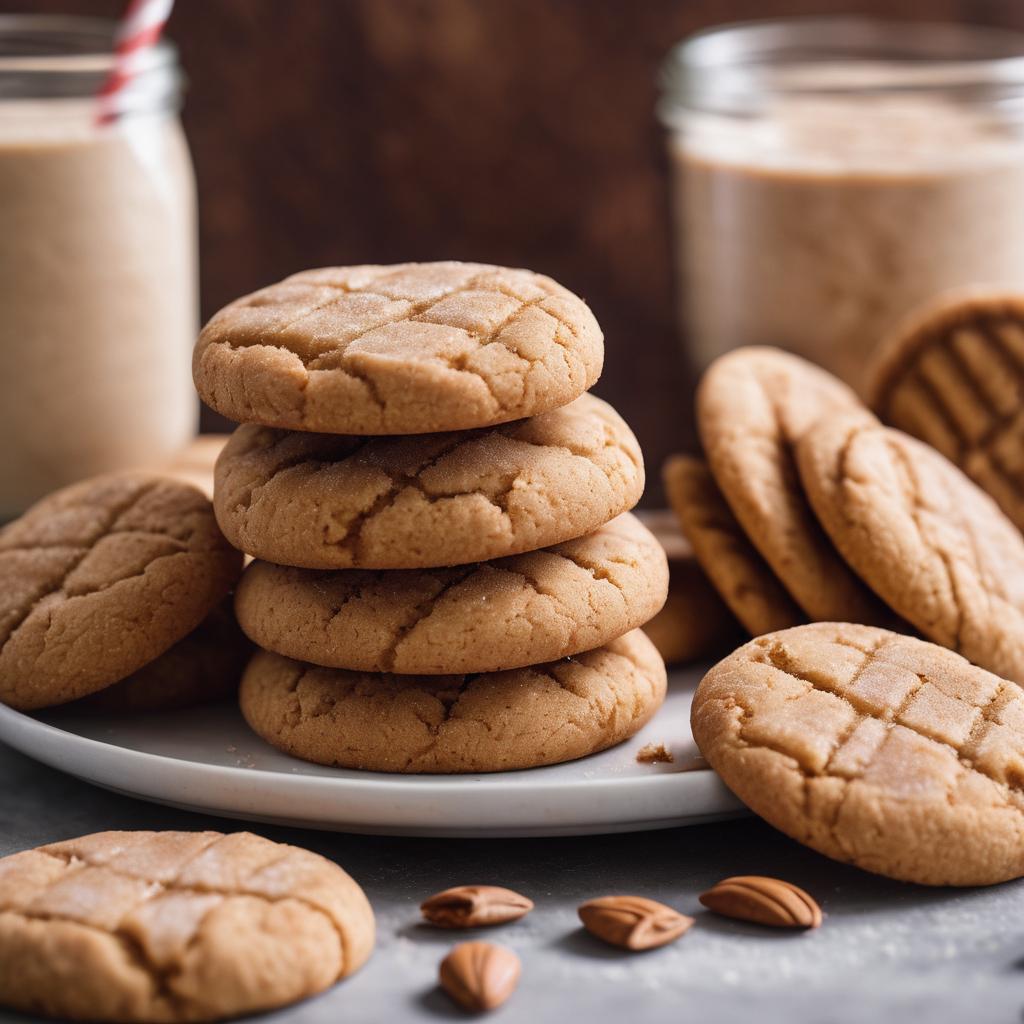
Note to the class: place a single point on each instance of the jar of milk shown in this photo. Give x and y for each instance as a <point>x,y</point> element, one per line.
<point>830,175</point>
<point>97,260</point>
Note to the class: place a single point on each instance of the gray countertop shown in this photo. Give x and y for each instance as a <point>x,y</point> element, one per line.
<point>886,952</point>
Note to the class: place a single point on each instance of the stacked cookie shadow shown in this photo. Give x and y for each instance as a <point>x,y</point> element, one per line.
<point>447,577</point>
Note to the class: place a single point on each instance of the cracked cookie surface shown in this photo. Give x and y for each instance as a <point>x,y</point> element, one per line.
<point>497,721</point>
<point>732,563</point>
<point>101,578</point>
<point>483,617</point>
<point>953,375</point>
<point>405,349</point>
<point>322,501</point>
<point>694,621</point>
<point>204,667</point>
<point>174,926</point>
<point>928,540</point>
<point>753,404</point>
<point>873,748</point>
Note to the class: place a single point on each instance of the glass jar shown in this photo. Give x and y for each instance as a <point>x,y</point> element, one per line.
<point>98,308</point>
<point>830,175</point>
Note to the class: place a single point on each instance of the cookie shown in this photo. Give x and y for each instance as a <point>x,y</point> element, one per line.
<point>407,349</point>
<point>731,562</point>
<point>493,722</point>
<point>953,375</point>
<point>752,406</point>
<point>204,667</point>
<point>873,748</point>
<point>322,501</point>
<point>483,617</point>
<point>101,578</point>
<point>926,538</point>
<point>174,926</point>
<point>694,622</point>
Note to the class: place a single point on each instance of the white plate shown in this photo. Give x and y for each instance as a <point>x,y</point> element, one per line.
<point>208,760</point>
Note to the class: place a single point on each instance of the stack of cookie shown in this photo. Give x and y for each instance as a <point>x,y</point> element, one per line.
<point>447,577</point>
<point>810,509</point>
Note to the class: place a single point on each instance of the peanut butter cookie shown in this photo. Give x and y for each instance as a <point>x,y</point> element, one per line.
<point>873,748</point>
<point>927,539</point>
<point>101,578</point>
<point>694,621</point>
<point>204,667</point>
<point>731,562</point>
<point>753,404</point>
<point>406,349</point>
<point>493,722</point>
<point>174,926</point>
<point>322,501</point>
<point>953,375</point>
<point>485,617</point>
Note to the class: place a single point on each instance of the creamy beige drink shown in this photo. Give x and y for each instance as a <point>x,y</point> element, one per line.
<point>97,293</point>
<point>818,200</point>
<point>823,240</point>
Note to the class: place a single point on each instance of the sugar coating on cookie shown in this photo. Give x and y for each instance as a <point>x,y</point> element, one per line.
<point>694,621</point>
<point>405,349</point>
<point>732,563</point>
<point>753,404</point>
<point>482,617</point>
<point>174,926</point>
<point>498,721</point>
<point>101,578</point>
<point>873,748</point>
<point>953,375</point>
<point>323,501</point>
<point>927,539</point>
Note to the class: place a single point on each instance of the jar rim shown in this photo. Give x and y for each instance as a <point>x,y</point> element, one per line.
<point>46,56</point>
<point>736,66</point>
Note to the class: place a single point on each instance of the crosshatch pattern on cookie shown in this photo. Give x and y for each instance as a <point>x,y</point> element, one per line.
<point>874,748</point>
<point>430,499</point>
<point>960,387</point>
<point>518,342</point>
<point>477,722</point>
<point>152,914</point>
<point>116,557</point>
<point>540,606</point>
<point>895,713</point>
<point>890,502</point>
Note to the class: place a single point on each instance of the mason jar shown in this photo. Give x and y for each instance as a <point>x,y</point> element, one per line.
<point>830,175</point>
<point>98,305</point>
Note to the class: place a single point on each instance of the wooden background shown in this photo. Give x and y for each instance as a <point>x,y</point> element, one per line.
<point>509,131</point>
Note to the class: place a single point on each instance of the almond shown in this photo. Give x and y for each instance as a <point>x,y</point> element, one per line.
<point>475,906</point>
<point>479,975</point>
<point>763,900</point>
<point>633,922</point>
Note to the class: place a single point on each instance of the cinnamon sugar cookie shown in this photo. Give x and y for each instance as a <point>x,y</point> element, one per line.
<point>953,375</point>
<point>496,721</point>
<point>753,404</point>
<point>405,349</point>
<point>926,538</point>
<point>731,562</point>
<point>873,748</point>
<point>174,926</point>
<point>322,501</point>
<point>482,617</point>
<point>101,578</point>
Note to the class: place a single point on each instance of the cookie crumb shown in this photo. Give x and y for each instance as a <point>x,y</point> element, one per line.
<point>655,753</point>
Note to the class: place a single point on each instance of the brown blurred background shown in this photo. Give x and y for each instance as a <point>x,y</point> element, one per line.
<point>508,131</point>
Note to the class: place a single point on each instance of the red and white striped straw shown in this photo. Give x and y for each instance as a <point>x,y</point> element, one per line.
<point>139,31</point>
